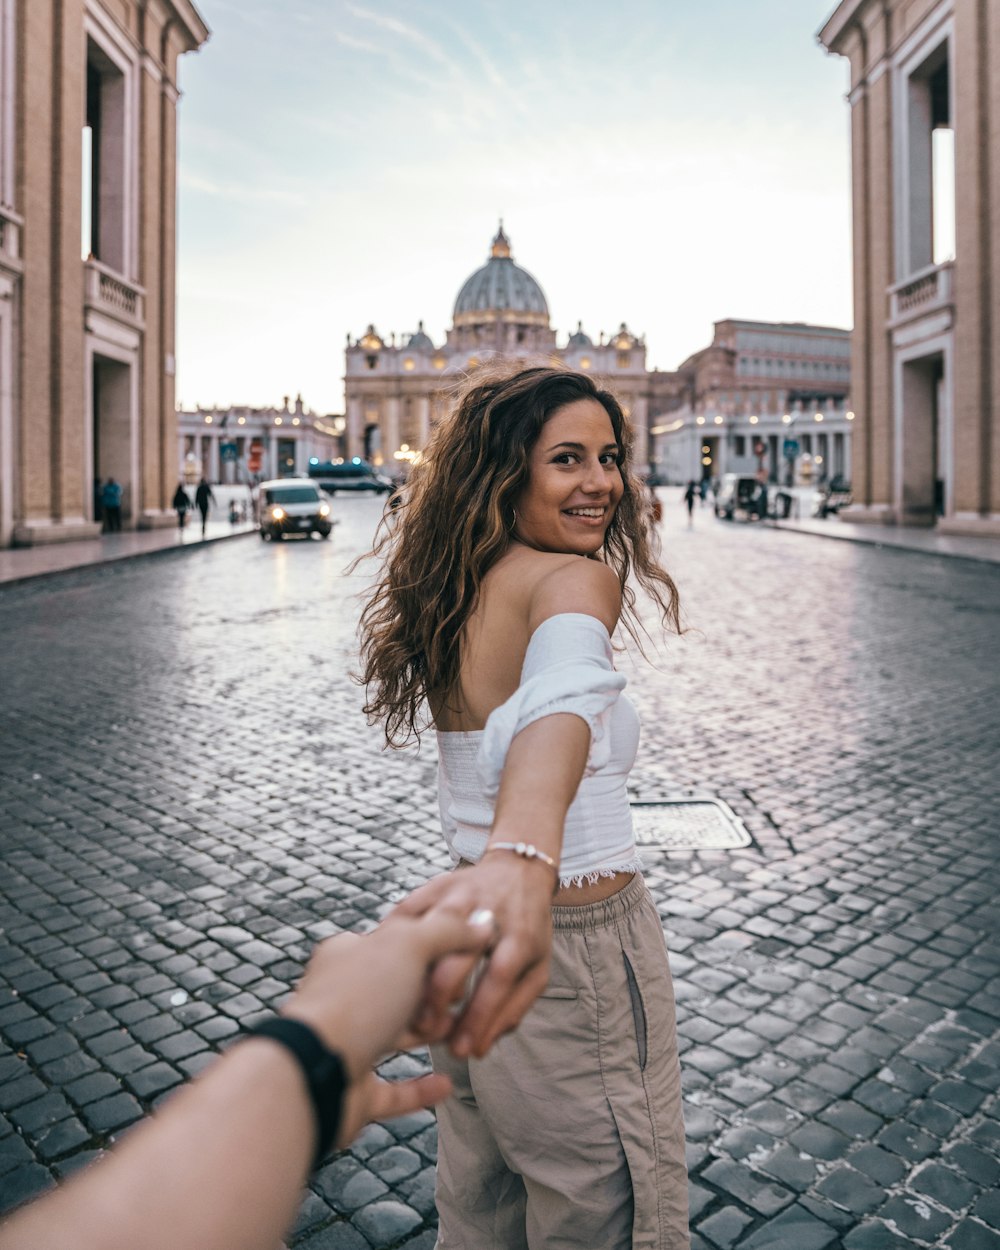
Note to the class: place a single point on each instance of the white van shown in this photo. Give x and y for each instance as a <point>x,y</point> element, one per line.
<point>292,505</point>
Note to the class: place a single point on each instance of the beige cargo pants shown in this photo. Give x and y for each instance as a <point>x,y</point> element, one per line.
<point>568,1135</point>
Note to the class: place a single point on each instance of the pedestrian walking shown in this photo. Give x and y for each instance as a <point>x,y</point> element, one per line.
<point>181,505</point>
<point>111,506</point>
<point>486,622</point>
<point>689,497</point>
<point>203,499</point>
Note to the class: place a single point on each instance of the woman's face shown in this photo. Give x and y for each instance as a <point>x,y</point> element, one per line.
<point>574,484</point>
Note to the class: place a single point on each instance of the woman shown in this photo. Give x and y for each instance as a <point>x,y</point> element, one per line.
<point>567,1132</point>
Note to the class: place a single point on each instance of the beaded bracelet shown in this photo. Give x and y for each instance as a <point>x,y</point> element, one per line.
<point>527,850</point>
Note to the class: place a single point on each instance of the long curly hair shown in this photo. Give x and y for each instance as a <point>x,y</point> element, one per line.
<point>451,523</point>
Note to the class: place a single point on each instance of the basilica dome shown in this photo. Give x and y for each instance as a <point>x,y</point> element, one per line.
<point>501,290</point>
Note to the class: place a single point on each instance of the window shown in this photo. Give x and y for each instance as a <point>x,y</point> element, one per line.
<point>740,448</point>
<point>105,185</point>
<point>928,200</point>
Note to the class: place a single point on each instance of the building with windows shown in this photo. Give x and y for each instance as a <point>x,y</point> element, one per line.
<point>396,390</point>
<point>88,99</point>
<point>925,116</point>
<point>231,445</point>
<point>763,398</point>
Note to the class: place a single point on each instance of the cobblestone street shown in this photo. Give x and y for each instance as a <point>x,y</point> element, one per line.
<point>189,798</point>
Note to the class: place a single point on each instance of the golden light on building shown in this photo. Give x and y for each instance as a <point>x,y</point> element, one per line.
<point>717,420</point>
<point>584,362</point>
<point>241,421</point>
<point>754,420</point>
<point>819,416</point>
<point>850,416</point>
<point>787,418</point>
<point>409,364</point>
<point>277,420</point>
<point>700,421</point>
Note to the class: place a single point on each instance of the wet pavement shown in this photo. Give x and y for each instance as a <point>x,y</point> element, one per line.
<point>189,798</point>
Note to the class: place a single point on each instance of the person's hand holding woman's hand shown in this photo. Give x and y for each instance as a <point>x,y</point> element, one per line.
<point>360,993</point>
<point>519,894</point>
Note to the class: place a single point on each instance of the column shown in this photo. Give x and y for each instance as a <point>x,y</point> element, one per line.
<point>390,433</point>
<point>355,427</point>
<point>423,421</point>
<point>640,424</point>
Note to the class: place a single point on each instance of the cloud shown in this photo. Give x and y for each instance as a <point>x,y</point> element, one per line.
<point>239,191</point>
<point>360,45</point>
<point>409,33</point>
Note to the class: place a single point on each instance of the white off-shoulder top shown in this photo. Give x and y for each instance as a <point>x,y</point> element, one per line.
<point>567,668</point>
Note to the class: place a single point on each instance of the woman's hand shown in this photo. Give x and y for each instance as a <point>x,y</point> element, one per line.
<point>519,894</point>
<point>361,993</point>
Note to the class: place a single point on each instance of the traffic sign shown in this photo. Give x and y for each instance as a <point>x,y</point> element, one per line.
<point>227,451</point>
<point>791,448</point>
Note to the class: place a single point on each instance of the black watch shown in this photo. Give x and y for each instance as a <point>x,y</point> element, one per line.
<point>324,1074</point>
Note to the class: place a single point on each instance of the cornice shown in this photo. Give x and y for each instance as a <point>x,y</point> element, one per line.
<point>838,22</point>
<point>192,20</point>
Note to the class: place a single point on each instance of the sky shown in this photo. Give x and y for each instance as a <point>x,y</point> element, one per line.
<point>668,163</point>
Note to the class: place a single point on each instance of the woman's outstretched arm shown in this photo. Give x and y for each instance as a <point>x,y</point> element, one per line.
<point>541,774</point>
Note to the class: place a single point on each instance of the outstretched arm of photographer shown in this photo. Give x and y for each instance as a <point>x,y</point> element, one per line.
<point>222,1166</point>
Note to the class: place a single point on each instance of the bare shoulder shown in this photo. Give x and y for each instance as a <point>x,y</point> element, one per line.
<point>572,584</point>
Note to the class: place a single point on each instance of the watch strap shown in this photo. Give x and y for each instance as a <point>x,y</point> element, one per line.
<point>323,1069</point>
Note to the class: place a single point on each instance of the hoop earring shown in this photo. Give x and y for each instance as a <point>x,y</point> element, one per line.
<point>513,520</point>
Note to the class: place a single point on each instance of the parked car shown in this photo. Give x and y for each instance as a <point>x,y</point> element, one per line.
<point>292,506</point>
<point>740,494</point>
<point>354,475</point>
<point>833,496</point>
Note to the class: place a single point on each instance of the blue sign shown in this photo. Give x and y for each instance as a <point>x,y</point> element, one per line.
<point>227,451</point>
<point>791,448</point>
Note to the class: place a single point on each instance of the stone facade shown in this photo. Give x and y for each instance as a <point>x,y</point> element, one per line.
<point>87,279</point>
<point>767,398</point>
<point>219,443</point>
<point>925,113</point>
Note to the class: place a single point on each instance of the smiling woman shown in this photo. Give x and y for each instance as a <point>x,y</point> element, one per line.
<point>487,621</point>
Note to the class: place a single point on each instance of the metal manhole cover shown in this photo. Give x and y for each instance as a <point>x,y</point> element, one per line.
<point>692,823</point>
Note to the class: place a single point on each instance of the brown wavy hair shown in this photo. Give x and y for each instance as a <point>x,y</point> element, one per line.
<point>451,523</point>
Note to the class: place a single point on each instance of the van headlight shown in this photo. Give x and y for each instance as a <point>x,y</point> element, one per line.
<point>324,509</point>
<point>278,514</point>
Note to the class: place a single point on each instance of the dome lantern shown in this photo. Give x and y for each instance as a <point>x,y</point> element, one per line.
<point>501,244</point>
